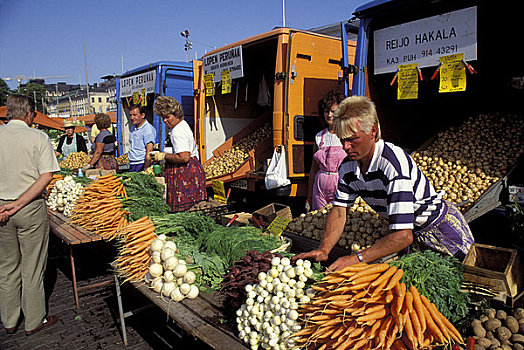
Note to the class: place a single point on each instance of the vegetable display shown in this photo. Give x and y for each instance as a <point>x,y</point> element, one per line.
<point>50,186</point>
<point>498,329</point>
<point>268,318</point>
<point>466,160</point>
<point>64,194</point>
<point>237,154</point>
<point>367,307</point>
<point>144,195</point>
<point>75,160</point>
<point>363,226</point>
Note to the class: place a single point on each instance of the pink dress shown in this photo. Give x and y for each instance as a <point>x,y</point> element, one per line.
<point>328,157</point>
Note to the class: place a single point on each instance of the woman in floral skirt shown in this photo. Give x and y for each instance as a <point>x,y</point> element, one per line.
<point>184,174</point>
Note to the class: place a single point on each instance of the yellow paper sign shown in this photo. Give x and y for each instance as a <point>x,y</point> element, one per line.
<point>220,191</point>
<point>452,73</point>
<point>278,225</point>
<point>407,87</point>
<point>136,97</point>
<point>226,82</point>
<point>210,85</point>
<point>143,93</point>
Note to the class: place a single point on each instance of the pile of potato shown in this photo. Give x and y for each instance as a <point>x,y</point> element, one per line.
<point>123,159</point>
<point>496,329</point>
<point>363,226</point>
<point>237,154</point>
<point>466,160</point>
<point>75,160</point>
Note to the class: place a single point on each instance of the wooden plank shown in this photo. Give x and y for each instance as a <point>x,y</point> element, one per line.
<point>191,316</point>
<point>87,233</point>
<point>68,233</point>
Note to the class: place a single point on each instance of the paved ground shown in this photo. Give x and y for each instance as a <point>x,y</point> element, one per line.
<point>95,325</point>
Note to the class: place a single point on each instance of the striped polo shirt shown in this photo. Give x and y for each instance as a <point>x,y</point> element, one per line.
<point>394,186</point>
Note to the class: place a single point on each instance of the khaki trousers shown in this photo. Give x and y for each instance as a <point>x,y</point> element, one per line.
<point>24,240</point>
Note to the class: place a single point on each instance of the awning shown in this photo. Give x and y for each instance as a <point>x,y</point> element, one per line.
<point>43,120</point>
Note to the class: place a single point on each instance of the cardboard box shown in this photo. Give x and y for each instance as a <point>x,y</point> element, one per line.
<point>241,220</point>
<point>271,211</point>
<point>494,267</point>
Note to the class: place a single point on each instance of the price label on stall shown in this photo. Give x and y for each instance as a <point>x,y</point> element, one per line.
<point>452,73</point>
<point>407,82</point>
<point>143,97</point>
<point>278,225</point>
<point>209,84</point>
<point>220,191</point>
<point>226,82</point>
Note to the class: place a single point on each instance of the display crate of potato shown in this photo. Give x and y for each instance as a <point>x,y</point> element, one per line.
<point>499,329</point>
<point>75,160</point>
<point>363,226</point>
<point>470,162</point>
<point>241,154</point>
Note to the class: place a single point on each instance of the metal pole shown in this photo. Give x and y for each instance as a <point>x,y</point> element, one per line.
<point>283,13</point>
<point>87,83</point>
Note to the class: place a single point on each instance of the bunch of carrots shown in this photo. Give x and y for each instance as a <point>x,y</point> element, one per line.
<point>365,306</point>
<point>99,210</point>
<point>134,258</point>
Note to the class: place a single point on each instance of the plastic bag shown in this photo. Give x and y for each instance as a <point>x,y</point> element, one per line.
<point>264,97</point>
<point>276,174</point>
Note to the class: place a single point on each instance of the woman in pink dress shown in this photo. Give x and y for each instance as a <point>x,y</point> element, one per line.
<point>323,177</point>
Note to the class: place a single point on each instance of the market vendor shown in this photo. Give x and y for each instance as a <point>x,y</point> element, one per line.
<point>104,146</point>
<point>391,183</point>
<point>70,142</point>
<point>184,174</point>
<point>142,136</point>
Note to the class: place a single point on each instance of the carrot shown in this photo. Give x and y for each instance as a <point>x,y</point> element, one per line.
<point>392,336</point>
<point>372,316</point>
<point>383,331</point>
<point>419,333</point>
<point>410,334</point>
<point>389,296</point>
<point>417,306</point>
<point>371,269</point>
<point>395,279</point>
<point>408,301</point>
<point>453,332</point>
<point>385,276</point>
<point>365,279</point>
<point>435,316</point>
<point>434,330</point>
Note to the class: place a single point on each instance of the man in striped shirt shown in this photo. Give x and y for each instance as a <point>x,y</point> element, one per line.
<point>390,182</point>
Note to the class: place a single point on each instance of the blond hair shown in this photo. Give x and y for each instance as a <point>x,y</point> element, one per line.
<point>353,113</point>
<point>166,105</point>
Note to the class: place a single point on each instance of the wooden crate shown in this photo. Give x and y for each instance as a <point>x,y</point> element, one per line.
<point>494,267</point>
<point>271,211</point>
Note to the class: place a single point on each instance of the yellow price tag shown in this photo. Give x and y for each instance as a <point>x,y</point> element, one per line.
<point>220,191</point>
<point>144,97</point>
<point>136,97</point>
<point>407,88</point>
<point>278,225</point>
<point>209,84</point>
<point>226,82</point>
<point>452,73</point>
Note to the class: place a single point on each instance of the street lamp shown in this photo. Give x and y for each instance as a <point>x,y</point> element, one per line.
<point>187,46</point>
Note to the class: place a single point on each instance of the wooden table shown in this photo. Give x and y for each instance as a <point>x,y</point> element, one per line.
<point>200,317</point>
<point>73,236</point>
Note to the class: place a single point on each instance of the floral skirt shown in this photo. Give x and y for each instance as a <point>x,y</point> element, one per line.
<point>449,234</point>
<point>107,162</point>
<point>186,184</point>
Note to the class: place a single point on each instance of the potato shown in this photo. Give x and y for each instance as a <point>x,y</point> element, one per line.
<point>491,313</point>
<point>518,346</point>
<point>492,324</point>
<point>517,338</point>
<point>518,313</point>
<point>478,329</point>
<point>503,334</point>
<point>506,346</point>
<point>485,342</point>
<point>512,324</point>
<point>521,325</point>
<point>501,314</point>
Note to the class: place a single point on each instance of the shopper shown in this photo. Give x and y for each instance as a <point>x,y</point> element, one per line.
<point>104,146</point>
<point>27,163</point>
<point>323,177</point>
<point>184,175</point>
<point>142,136</point>
<point>70,142</point>
<point>388,179</point>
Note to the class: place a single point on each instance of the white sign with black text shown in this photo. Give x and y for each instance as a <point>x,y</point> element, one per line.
<point>424,41</point>
<point>230,59</point>
<point>135,83</point>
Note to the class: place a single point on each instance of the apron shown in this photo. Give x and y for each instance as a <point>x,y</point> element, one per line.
<point>328,159</point>
<point>186,184</point>
<point>68,149</point>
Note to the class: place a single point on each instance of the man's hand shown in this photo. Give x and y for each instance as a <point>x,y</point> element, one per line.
<point>8,210</point>
<point>157,157</point>
<point>317,254</point>
<point>86,167</point>
<point>342,262</point>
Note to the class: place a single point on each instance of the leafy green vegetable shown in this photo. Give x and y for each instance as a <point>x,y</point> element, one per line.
<point>438,278</point>
<point>145,195</point>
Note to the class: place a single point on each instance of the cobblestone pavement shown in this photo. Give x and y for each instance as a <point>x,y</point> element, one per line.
<point>96,324</point>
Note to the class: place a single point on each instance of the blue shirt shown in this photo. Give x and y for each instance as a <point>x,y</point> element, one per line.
<point>394,186</point>
<point>139,137</point>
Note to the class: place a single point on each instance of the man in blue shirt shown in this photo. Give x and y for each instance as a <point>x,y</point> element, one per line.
<point>142,136</point>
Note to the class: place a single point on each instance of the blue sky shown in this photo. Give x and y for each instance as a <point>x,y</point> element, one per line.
<point>47,37</point>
